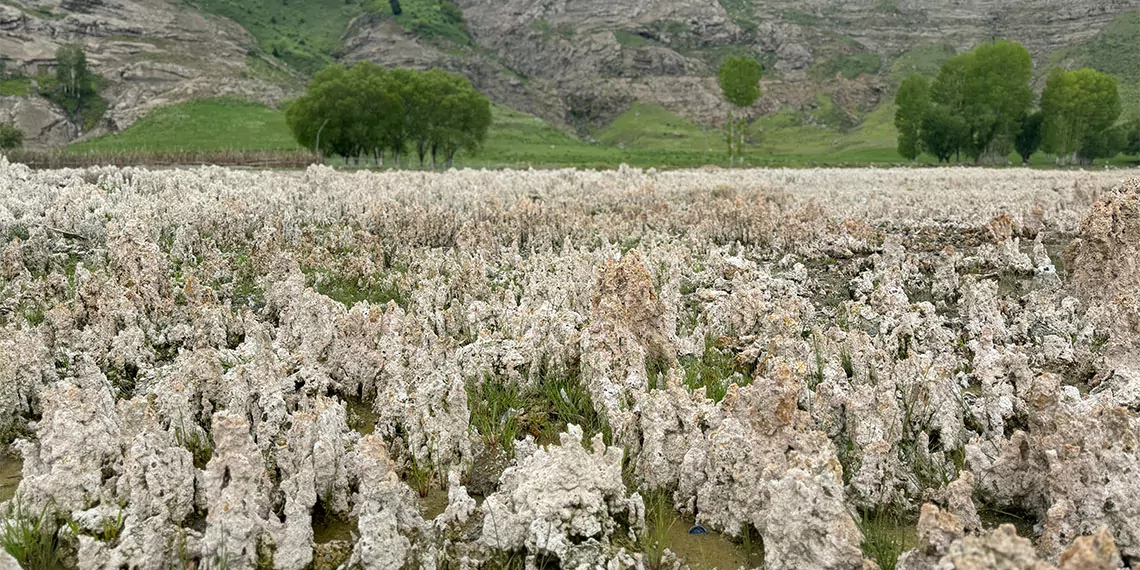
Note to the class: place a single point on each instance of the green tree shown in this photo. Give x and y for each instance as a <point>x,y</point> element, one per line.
<point>405,85</point>
<point>913,104</point>
<point>10,137</point>
<point>72,73</point>
<point>431,87</point>
<point>1132,137</point>
<point>467,124</point>
<point>325,119</point>
<point>998,97</point>
<point>943,132</point>
<point>368,110</point>
<point>988,91</point>
<point>75,88</point>
<point>1030,135</point>
<point>377,109</point>
<point>1081,107</point>
<point>1103,144</point>
<point>739,81</point>
<point>458,116</point>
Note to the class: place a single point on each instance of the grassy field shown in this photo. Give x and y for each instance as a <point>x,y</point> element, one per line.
<point>646,135</point>
<point>202,125</point>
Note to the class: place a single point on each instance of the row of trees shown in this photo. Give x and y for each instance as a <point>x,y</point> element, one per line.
<point>981,107</point>
<point>368,110</point>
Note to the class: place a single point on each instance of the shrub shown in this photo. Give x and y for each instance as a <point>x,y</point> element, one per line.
<point>10,137</point>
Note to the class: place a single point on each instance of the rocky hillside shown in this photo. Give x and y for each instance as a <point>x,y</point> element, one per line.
<point>573,63</point>
<point>150,53</point>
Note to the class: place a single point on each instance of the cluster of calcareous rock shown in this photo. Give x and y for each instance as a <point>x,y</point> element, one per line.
<point>206,367</point>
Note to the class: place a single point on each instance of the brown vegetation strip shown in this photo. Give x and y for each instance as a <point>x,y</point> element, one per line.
<point>254,159</point>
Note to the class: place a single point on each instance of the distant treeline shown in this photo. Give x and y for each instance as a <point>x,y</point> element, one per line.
<point>981,107</point>
<point>367,110</point>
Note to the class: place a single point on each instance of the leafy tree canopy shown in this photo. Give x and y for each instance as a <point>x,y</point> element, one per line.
<point>1081,107</point>
<point>739,80</point>
<point>913,104</point>
<point>369,110</point>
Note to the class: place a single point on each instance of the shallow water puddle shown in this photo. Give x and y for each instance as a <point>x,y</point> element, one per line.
<point>1021,520</point>
<point>361,418</point>
<point>710,551</point>
<point>10,469</point>
<point>433,504</point>
<point>327,529</point>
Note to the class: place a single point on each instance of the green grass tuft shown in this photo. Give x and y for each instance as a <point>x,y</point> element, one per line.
<point>494,406</point>
<point>659,520</point>
<point>885,538</point>
<point>713,371</point>
<point>16,87</point>
<point>564,399</point>
<point>502,412</point>
<point>421,477</point>
<point>30,539</point>
<point>377,291</point>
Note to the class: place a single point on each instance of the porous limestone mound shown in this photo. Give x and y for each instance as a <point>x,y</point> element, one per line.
<point>562,501</point>
<point>626,334</point>
<point>313,468</point>
<point>240,525</point>
<point>1104,261</point>
<point>25,368</point>
<point>756,468</point>
<point>385,508</point>
<point>77,453</point>
<point>745,462</point>
<point>942,546</point>
<point>1096,552</point>
<point>1074,467</point>
<point>160,480</point>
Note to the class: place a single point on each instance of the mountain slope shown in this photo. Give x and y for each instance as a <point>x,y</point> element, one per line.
<point>150,53</point>
<point>578,64</point>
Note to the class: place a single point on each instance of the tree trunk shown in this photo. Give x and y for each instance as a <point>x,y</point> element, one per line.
<point>740,143</point>
<point>396,158</point>
<point>730,136</point>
